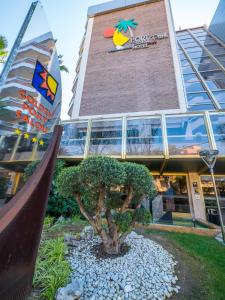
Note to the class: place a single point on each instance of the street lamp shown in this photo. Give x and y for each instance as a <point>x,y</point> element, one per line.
<point>209,157</point>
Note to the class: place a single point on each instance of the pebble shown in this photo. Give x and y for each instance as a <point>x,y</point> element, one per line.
<point>147,271</point>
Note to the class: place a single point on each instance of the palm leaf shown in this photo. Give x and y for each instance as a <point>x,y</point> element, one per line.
<point>3,42</point>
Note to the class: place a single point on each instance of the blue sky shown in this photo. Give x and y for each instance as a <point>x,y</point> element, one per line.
<point>67,20</point>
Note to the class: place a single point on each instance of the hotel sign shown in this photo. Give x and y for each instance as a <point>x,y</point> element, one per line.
<point>123,42</point>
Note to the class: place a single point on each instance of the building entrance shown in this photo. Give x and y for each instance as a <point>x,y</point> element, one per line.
<point>172,202</point>
<point>210,199</point>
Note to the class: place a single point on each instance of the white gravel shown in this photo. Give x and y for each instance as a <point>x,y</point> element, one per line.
<point>145,272</point>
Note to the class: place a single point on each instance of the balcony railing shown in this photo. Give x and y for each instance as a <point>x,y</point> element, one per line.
<point>160,136</point>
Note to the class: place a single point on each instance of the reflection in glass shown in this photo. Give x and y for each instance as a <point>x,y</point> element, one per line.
<point>187,135</point>
<point>144,137</point>
<point>198,98</point>
<point>190,77</point>
<point>73,139</point>
<point>194,87</point>
<point>220,96</point>
<point>210,199</point>
<point>218,124</point>
<point>216,84</point>
<point>106,138</point>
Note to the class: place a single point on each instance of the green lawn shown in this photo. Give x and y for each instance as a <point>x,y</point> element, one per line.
<point>209,256</point>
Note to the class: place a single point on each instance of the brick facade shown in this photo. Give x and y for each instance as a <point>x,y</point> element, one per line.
<point>131,80</point>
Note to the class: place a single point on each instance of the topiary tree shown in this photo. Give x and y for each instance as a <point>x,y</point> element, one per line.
<point>106,188</point>
<point>57,205</point>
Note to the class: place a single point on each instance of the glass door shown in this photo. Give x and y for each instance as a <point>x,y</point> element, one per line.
<point>210,199</point>
<point>171,205</point>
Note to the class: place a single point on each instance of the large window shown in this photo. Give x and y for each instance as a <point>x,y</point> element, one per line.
<point>106,138</point>
<point>73,139</point>
<point>144,137</point>
<point>187,135</point>
<point>218,124</point>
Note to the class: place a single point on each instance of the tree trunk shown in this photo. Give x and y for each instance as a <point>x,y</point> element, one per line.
<point>111,246</point>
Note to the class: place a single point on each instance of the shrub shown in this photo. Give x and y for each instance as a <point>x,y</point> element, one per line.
<point>57,205</point>
<point>52,269</point>
<point>104,187</point>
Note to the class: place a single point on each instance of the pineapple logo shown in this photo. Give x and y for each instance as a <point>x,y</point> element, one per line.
<point>119,39</point>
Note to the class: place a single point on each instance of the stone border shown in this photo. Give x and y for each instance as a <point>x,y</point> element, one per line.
<point>181,229</point>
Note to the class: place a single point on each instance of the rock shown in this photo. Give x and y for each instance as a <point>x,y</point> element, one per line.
<point>128,288</point>
<point>72,291</point>
<point>61,219</point>
<point>87,233</point>
<point>145,272</point>
<point>70,240</point>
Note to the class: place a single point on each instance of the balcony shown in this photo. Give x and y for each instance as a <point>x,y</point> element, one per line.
<point>163,142</point>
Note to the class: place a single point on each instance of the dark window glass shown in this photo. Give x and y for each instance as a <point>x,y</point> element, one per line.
<point>194,87</point>
<point>198,98</point>
<point>217,51</point>
<point>212,75</point>
<point>207,67</point>
<point>190,77</point>
<point>220,58</point>
<point>217,84</point>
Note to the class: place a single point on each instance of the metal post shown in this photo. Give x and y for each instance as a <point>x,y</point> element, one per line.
<point>218,203</point>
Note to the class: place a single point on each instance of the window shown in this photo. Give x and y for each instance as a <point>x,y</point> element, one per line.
<point>185,62</point>
<point>220,96</point>
<point>213,75</point>
<point>106,138</point>
<point>218,125</point>
<point>217,84</point>
<point>144,137</point>
<point>73,139</point>
<point>187,135</point>
<point>199,54</point>
<point>190,45</point>
<point>185,41</point>
<point>197,31</point>
<point>194,49</point>
<point>198,98</point>
<point>187,69</point>
<point>201,107</point>
<point>194,87</point>
<point>207,67</point>
<point>182,56</point>
<point>190,77</point>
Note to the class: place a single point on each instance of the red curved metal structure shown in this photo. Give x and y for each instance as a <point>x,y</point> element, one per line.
<point>21,222</point>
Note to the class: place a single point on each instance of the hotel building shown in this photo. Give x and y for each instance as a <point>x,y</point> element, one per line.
<point>145,93</point>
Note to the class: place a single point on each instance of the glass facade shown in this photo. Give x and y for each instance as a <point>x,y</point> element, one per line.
<point>202,59</point>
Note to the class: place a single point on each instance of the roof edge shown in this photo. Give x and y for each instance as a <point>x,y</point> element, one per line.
<point>115,5</point>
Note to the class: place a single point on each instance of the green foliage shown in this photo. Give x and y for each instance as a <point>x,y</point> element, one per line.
<point>3,46</point>
<point>143,215</point>
<point>208,254</point>
<point>3,187</point>
<point>57,204</point>
<point>139,178</point>
<point>52,269</point>
<point>97,173</point>
<point>123,220</point>
<point>29,170</point>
